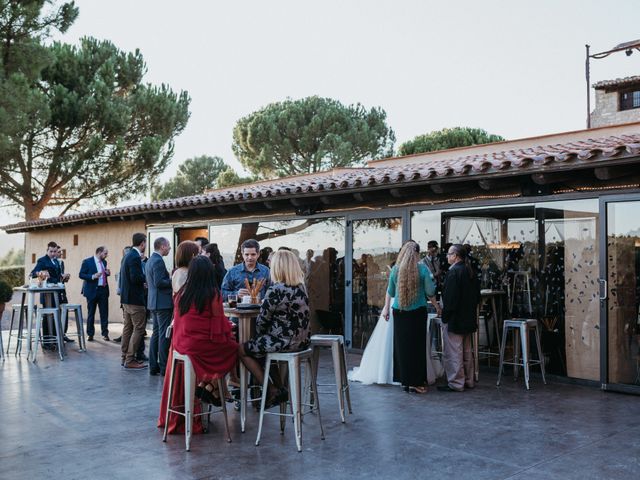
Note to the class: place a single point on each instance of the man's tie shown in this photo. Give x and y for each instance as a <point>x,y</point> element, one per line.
<point>103,274</point>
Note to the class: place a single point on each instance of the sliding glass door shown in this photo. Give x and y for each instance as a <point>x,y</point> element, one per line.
<point>620,296</point>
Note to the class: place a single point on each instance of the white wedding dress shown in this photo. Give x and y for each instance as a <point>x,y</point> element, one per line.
<point>376,365</point>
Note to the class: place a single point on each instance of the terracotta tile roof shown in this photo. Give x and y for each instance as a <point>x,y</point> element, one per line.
<point>618,82</point>
<point>560,156</point>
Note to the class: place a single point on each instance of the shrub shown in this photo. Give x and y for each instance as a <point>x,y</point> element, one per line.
<point>13,276</point>
<point>6,292</point>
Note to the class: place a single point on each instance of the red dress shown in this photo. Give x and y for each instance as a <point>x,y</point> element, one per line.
<point>207,338</point>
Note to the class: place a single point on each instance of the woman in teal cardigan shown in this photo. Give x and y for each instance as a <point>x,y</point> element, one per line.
<point>411,286</point>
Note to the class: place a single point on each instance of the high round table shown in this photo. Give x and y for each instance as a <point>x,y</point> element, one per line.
<point>246,319</point>
<point>30,293</point>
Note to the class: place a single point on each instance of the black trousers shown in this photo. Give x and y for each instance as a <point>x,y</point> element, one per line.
<point>100,302</point>
<point>410,347</point>
<point>159,347</point>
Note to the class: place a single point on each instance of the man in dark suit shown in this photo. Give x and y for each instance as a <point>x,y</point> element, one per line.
<point>49,263</point>
<point>133,303</point>
<point>95,289</point>
<point>160,304</point>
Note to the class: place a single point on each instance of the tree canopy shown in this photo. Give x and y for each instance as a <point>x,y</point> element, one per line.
<point>194,176</point>
<point>230,177</point>
<point>448,138</point>
<point>77,123</point>
<point>310,135</point>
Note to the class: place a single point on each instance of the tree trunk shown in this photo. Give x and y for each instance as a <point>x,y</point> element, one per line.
<point>31,211</point>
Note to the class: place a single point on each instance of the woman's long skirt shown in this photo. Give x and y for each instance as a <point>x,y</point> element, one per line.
<point>410,347</point>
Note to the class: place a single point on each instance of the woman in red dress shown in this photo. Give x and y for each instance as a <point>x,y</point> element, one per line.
<point>201,331</point>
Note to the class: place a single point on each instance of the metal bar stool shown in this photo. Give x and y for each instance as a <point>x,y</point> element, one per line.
<point>293,361</point>
<point>336,344</point>
<point>48,339</point>
<point>189,398</point>
<point>521,328</point>
<point>21,310</point>
<point>521,284</point>
<point>76,308</point>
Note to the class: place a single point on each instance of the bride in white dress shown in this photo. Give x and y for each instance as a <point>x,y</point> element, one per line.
<point>376,365</point>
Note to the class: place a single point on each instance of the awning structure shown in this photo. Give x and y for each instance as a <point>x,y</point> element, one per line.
<point>526,169</point>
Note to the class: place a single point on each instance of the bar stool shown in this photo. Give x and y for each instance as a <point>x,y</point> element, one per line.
<point>21,310</point>
<point>336,344</point>
<point>48,339</point>
<point>433,319</point>
<point>293,361</point>
<point>521,284</point>
<point>76,308</point>
<point>521,328</point>
<point>189,397</point>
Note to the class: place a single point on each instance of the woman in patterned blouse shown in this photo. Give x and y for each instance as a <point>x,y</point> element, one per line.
<point>283,322</point>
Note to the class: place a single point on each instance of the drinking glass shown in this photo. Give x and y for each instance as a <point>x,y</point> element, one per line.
<point>233,301</point>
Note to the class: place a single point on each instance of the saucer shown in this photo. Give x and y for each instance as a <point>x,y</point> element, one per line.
<point>248,306</point>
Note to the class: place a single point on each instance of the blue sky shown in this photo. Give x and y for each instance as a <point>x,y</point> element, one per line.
<point>513,68</point>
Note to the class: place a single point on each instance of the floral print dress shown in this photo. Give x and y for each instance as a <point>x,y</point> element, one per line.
<point>283,322</point>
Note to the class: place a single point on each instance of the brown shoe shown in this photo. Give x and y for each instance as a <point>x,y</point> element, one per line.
<point>134,365</point>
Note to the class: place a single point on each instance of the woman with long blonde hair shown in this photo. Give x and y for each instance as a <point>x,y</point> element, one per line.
<point>411,286</point>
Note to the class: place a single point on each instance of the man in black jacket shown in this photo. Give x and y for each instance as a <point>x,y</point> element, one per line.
<point>460,297</point>
<point>133,306</point>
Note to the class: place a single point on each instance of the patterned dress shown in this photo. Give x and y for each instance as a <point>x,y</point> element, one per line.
<point>283,323</point>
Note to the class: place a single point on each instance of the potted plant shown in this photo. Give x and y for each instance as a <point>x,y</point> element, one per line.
<point>6,293</point>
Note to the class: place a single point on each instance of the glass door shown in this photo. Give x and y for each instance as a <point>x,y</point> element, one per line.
<point>166,232</point>
<point>620,297</point>
<point>375,246</point>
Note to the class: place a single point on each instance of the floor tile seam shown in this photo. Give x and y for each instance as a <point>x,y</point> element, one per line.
<point>461,451</point>
<point>572,451</point>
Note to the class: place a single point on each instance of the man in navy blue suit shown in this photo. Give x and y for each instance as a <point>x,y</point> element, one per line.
<point>160,304</point>
<point>132,296</point>
<point>49,263</point>
<point>95,289</point>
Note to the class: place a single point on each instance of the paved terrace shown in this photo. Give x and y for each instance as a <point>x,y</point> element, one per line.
<point>87,418</point>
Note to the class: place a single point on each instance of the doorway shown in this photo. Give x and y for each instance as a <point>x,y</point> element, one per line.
<point>620,296</point>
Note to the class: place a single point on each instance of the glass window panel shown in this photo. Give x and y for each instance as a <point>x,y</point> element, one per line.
<point>319,245</point>
<point>541,261</point>
<point>623,277</point>
<point>376,243</point>
<point>168,234</point>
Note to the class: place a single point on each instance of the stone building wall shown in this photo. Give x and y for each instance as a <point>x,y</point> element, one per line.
<point>607,111</point>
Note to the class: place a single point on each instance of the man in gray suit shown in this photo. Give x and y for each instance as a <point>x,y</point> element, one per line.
<point>160,304</point>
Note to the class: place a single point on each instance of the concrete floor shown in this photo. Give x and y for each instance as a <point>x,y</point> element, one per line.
<point>87,418</point>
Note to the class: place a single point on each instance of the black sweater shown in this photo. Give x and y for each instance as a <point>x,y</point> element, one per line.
<point>460,296</point>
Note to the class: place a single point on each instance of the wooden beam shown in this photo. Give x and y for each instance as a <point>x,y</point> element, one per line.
<point>441,188</point>
<point>548,178</point>
<point>609,173</point>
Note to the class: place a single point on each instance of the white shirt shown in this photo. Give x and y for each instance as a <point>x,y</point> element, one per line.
<point>100,268</point>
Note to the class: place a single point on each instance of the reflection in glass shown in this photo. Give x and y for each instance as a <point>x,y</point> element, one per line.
<point>168,234</point>
<point>537,261</point>
<point>376,243</point>
<point>319,245</point>
<point>623,276</point>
